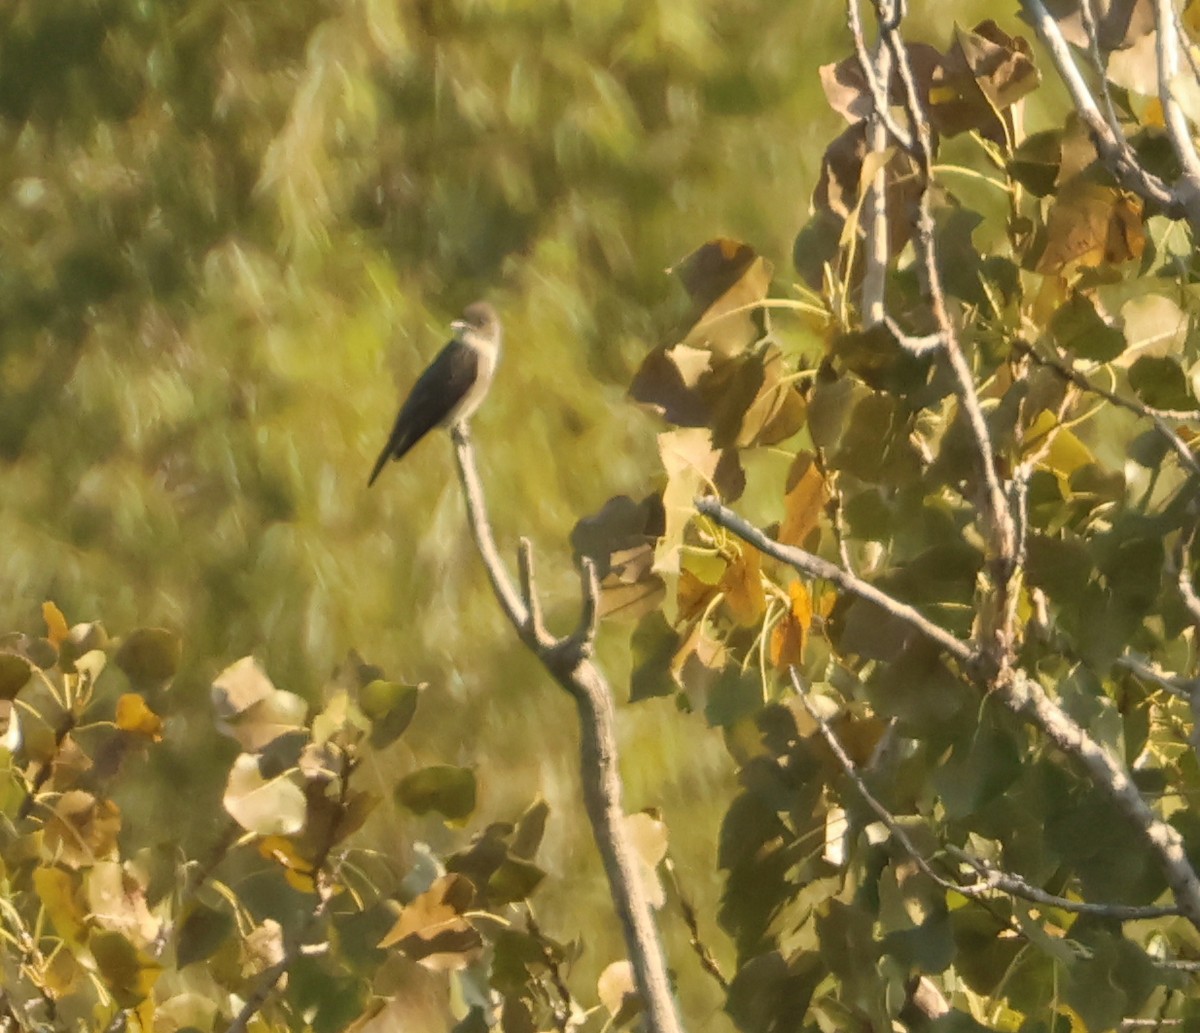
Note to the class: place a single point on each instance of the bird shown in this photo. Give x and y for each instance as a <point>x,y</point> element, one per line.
<point>452,387</point>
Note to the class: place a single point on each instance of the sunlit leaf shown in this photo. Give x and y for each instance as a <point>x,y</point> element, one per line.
<point>432,930</point>
<point>264,806</point>
<point>133,715</point>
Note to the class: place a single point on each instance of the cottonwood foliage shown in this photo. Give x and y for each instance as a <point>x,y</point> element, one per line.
<point>1075,302</point>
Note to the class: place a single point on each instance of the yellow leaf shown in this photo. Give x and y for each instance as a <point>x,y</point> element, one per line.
<point>56,623</point>
<point>134,716</point>
<point>790,635</point>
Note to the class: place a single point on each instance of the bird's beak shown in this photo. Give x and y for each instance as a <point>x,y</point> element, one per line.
<point>458,326</point>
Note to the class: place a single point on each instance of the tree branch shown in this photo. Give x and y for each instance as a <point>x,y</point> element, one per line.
<point>814,566</point>
<point>568,660</point>
<point>1020,693</point>
<point>1112,147</point>
<point>991,880</point>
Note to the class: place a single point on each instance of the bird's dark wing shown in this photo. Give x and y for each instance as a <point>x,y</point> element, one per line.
<point>433,397</point>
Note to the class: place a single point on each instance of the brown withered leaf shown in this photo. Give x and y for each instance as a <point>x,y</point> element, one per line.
<point>804,501</point>
<point>1119,23</point>
<point>692,595</point>
<point>742,587</point>
<point>726,280</point>
<point>432,930</point>
<point>846,88</point>
<point>778,410</point>
<point>840,185</point>
<point>1090,225</point>
<point>984,72</point>
<point>668,382</point>
<point>620,540</point>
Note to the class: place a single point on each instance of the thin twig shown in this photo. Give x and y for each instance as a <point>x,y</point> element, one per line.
<point>1183,576</point>
<point>707,959</point>
<point>1088,18</point>
<point>997,640</point>
<point>815,566</point>
<point>878,85</point>
<point>1073,376</point>
<point>1178,130</point>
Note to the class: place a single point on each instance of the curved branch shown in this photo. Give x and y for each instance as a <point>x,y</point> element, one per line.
<point>569,662</point>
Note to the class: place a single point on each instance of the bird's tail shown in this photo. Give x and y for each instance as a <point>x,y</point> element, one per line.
<point>396,448</point>
<point>380,463</point>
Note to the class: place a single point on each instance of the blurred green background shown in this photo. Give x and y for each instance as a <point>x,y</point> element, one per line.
<point>231,235</point>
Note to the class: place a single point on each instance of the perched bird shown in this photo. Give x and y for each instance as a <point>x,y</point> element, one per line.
<point>450,390</point>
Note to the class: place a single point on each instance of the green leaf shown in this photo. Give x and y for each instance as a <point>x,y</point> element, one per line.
<point>390,707</point>
<point>514,880</point>
<point>1159,382</point>
<point>653,647</point>
<point>1080,329</point>
<point>736,693</point>
<point>150,656</point>
<point>443,788</point>
<point>200,934</point>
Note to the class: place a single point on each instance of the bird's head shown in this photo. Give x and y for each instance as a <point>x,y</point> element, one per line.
<point>478,325</point>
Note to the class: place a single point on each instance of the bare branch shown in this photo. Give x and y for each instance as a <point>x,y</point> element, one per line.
<point>506,592</point>
<point>1017,691</point>
<point>1183,575</point>
<point>879,85</point>
<point>571,666</point>
<point>999,523</point>
<point>1026,697</point>
<point>535,625</point>
<point>583,638</point>
<point>1088,18</point>
<point>1139,667</point>
<point>875,204</point>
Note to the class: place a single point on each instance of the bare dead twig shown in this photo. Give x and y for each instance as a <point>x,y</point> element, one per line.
<point>707,959</point>
<point>568,660</point>
<point>1178,131</point>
